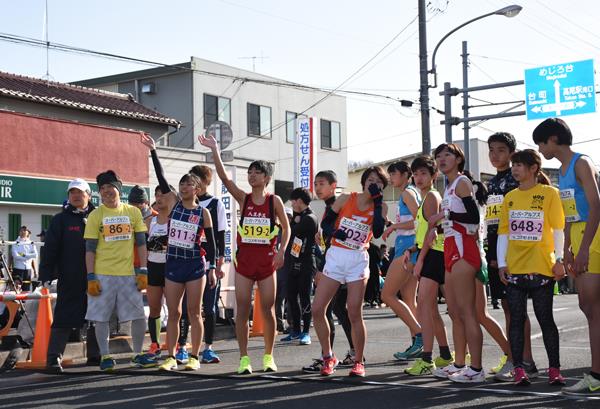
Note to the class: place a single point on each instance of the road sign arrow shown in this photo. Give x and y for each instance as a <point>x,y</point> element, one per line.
<point>580,104</point>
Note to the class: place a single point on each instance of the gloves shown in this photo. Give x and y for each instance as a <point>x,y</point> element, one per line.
<point>340,235</point>
<point>376,194</point>
<point>93,287</point>
<point>141,278</point>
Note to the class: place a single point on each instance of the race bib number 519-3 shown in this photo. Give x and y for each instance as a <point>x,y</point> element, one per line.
<point>526,225</point>
<point>116,228</point>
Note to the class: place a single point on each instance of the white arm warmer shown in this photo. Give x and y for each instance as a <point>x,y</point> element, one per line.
<point>501,249</point>
<point>559,243</point>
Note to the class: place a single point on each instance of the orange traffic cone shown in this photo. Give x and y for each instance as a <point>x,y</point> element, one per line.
<point>41,336</point>
<point>257,318</point>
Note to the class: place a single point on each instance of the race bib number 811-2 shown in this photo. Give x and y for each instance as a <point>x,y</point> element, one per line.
<point>182,234</point>
<point>526,225</point>
<point>116,228</point>
<point>357,233</point>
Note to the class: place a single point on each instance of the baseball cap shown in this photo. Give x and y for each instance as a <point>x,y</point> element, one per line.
<point>79,184</point>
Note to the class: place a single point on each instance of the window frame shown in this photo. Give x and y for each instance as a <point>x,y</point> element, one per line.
<point>250,105</point>
<point>330,147</point>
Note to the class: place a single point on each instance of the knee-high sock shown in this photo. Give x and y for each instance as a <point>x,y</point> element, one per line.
<point>138,331</point>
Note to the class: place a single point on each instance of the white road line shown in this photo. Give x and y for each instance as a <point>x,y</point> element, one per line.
<point>560,331</point>
<point>560,309</point>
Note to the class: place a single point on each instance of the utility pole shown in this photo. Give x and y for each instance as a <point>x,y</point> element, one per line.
<point>465,95</point>
<point>424,87</point>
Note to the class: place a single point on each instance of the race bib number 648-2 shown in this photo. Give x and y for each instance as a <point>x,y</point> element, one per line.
<point>526,225</point>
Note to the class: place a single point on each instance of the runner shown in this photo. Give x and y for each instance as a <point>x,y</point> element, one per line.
<point>501,147</point>
<point>429,270</point>
<point>301,264</point>
<point>325,185</point>
<point>579,196</point>
<point>530,251</point>
<point>399,276</point>
<point>351,222</point>
<point>210,301</point>
<point>257,259</point>
<point>111,232</point>
<point>188,266</point>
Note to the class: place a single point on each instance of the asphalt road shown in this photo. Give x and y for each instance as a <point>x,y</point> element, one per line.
<point>216,386</point>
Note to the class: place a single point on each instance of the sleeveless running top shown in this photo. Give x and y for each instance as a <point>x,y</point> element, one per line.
<point>257,224</point>
<point>404,215</point>
<point>157,253</point>
<point>356,223</point>
<point>423,227</point>
<point>572,196</point>
<point>186,227</point>
<point>453,203</point>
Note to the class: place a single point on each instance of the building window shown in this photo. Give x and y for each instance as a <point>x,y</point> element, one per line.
<point>216,109</point>
<point>330,135</point>
<point>14,224</point>
<point>46,219</point>
<point>291,124</point>
<point>259,121</point>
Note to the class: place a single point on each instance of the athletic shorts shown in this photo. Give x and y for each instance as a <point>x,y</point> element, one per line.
<point>577,230</point>
<point>345,265</point>
<point>461,247</point>
<point>182,270</point>
<point>118,293</point>
<point>255,263</point>
<point>156,274</point>
<point>402,244</point>
<point>433,266</point>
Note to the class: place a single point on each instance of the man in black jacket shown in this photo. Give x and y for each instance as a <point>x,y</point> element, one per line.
<point>64,258</point>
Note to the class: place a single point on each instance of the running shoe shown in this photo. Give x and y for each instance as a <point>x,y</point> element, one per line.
<point>291,337</point>
<point>107,364</point>
<point>412,352</point>
<point>531,370</point>
<point>182,355</point>
<point>245,368</point>
<point>315,367</point>
<point>154,350</point>
<point>468,376</point>
<point>144,361</point>
<point>420,368</point>
<point>500,365</point>
<point>357,370</point>
<point>445,372</point>
<point>555,378</point>
<point>54,366</point>
<point>588,386</point>
<point>521,378</point>
<point>193,364</point>
<point>506,373</point>
<point>210,357</point>
<point>348,361</point>
<point>170,364</point>
<point>304,338</point>
<point>441,362</point>
<point>329,365</point>
<point>269,363</point>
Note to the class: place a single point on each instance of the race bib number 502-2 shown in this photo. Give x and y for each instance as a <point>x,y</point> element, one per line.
<point>357,233</point>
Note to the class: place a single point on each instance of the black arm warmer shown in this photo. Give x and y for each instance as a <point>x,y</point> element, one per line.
<point>210,246</point>
<point>162,182</point>
<point>378,222</point>
<point>472,214</point>
<point>328,223</point>
<point>220,243</point>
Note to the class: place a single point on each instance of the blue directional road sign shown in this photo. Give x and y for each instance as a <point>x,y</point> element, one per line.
<point>561,89</point>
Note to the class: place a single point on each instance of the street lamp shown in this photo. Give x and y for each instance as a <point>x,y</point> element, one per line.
<point>508,11</point>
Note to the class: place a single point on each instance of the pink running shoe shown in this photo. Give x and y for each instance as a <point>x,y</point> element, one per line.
<point>521,378</point>
<point>554,377</point>
<point>357,370</point>
<point>329,365</point>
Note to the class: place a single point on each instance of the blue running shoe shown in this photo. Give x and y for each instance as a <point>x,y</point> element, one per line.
<point>291,337</point>
<point>304,338</point>
<point>144,361</point>
<point>182,355</point>
<point>107,364</point>
<point>412,352</point>
<point>210,357</point>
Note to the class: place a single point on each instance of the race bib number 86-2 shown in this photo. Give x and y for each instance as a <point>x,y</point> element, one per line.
<point>116,228</point>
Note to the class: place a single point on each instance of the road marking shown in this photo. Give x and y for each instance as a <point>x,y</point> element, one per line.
<point>560,309</point>
<point>560,331</point>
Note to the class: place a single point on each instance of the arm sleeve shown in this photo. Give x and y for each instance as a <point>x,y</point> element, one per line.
<point>472,214</point>
<point>162,182</point>
<point>559,242</point>
<point>90,245</point>
<point>328,223</point>
<point>140,239</point>
<point>51,249</point>
<point>378,221</point>
<point>501,250</point>
<point>210,246</point>
<point>220,238</point>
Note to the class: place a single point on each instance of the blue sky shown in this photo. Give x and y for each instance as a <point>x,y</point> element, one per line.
<point>321,43</point>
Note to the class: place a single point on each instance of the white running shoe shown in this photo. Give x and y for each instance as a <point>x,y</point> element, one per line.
<point>445,372</point>
<point>505,374</point>
<point>468,376</point>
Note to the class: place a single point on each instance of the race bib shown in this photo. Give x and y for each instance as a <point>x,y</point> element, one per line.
<point>296,247</point>
<point>357,233</point>
<point>567,198</point>
<point>492,209</point>
<point>526,225</point>
<point>182,234</point>
<point>256,230</point>
<point>116,228</point>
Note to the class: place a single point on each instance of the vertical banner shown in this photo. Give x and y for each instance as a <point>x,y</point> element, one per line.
<point>304,155</point>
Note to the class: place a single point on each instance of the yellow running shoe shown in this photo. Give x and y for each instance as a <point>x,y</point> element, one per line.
<point>245,367</point>
<point>170,364</point>
<point>501,364</point>
<point>421,367</point>
<point>193,364</point>
<point>442,363</point>
<point>269,363</point>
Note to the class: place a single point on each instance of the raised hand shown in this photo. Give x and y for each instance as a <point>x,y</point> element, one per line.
<point>148,141</point>
<point>208,141</point>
